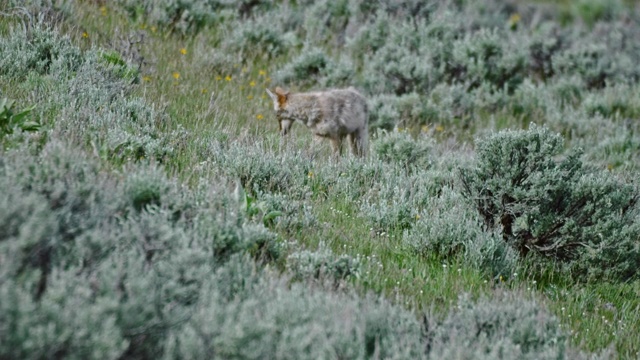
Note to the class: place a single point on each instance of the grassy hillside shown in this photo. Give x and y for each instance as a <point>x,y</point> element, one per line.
<point>150,209</point>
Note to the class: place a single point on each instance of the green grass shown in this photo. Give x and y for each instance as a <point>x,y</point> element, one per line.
<point>231,104</point>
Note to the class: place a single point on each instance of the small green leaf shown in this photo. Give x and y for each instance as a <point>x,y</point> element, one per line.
<point>270,216</point>
<point>30,126</point>
<point>17,118</point>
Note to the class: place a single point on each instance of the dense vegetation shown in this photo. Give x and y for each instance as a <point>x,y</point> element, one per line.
<point>149,208</point>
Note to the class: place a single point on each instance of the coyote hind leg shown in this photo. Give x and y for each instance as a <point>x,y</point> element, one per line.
<point>358,142</point>
<point>336,146</point>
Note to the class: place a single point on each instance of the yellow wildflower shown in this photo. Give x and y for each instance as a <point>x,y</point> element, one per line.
<point>425,128</point>
<point>85,35</point>
<point>417,216</point>
<point>252,84</point>
<point>228,78</point>
<point>176,75</point>
<point>103,10</point>
<point>262,73</point>
<point>514,19</point>
<point>259,117</point>
<point>183,51</point>
<point>439,128</point>
<point>146,78</point>
<point>310,175</point>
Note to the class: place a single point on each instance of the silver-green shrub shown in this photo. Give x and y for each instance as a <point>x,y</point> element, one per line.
<point>401,149</point>
<point>313,67</point>
<point>189,16</point>
<point>260,170</point>
<point>87,95</point>
<point>604,55</point>
<point>552,206</point>
<point>489,56</point>
<point>322,264</point>
<point>449,227</point>
<point>295,214</point>
<point>503,326</point>
<point>262,38</point>
<point>40,50</point>
<point>273,319</point>
<point>109,263</point>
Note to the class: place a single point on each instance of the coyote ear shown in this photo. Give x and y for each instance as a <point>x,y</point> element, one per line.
<point>281,92</point>
<point>273,96</point>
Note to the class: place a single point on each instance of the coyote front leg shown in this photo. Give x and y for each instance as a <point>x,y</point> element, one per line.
<point>315,146</point>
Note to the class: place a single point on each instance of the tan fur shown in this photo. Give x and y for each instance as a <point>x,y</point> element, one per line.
<point>282,96</point>
<point>332,114</point>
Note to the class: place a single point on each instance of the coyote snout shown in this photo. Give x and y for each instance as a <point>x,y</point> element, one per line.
<point>332,114</point>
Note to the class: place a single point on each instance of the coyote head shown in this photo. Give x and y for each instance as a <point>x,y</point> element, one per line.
<point>285,117</point>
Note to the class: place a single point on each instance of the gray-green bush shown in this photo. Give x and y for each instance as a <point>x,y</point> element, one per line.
<point>550,205</point>
<point>322,264</point>
<point>449,227</point>
<point>314,67</point>
<point>505,326</point>
<point>271,319</point>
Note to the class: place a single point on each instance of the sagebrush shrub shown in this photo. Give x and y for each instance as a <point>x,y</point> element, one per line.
<point>546,41</point>
<point>259,38</point>
<point>275,320</point>
<point>593,11</point>
<point>261,171</point>
<point>604,55</point>
<point>87,94</point>
<point>617,101</point>
<point>322,264</point>
<point>449,227</point>
<point>295,214</point>
<point>487,56</point>
<point>314,68</point>
<point>403,64</point>
<point>188,16</point>
<point>327,20</point>
<point>554,206</point>
<point>445,104</point>
<point>93,250</point>
<point>41,50</point>
<point>401,149</point>
<point>506,326</point>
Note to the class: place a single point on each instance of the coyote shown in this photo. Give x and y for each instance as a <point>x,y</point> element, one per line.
<point>333,114</point>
